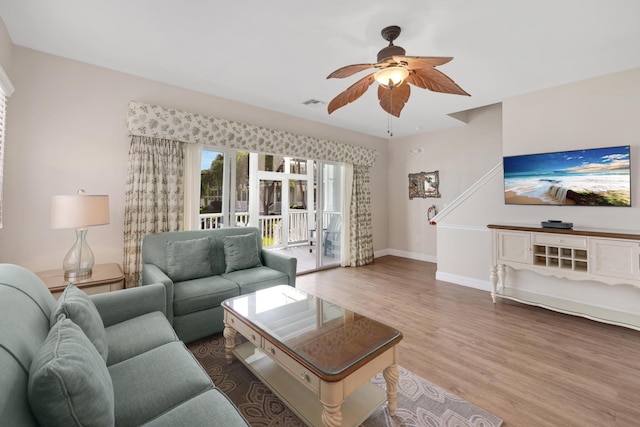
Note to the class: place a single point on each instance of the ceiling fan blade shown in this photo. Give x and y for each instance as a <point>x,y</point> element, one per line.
<point>352,93</point>
<point>349,70</point>
<point>393,100</point>
<point>434,80</point>
<point>422,61</point>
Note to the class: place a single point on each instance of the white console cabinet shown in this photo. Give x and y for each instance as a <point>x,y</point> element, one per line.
<point>610,258</point>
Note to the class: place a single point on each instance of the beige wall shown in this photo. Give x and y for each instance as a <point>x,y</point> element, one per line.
<point>66,130</point>
<point>461,155</point>
<point>5,44</point>
<point>600,112</point>
<point>593,113</point>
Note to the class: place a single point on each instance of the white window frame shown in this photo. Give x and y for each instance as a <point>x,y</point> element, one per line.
<point>6,90</point>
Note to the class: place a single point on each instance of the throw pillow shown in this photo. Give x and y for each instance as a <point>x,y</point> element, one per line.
<point>77,306</point>
<point>241,252</point>
<point>188,259</point>
<point>69,384</point>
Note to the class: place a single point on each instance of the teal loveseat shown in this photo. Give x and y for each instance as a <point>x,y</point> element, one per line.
<point>106,360</point>
<point>202,268</point>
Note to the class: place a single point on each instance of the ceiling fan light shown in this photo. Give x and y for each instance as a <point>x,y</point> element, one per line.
<point>391,77</point>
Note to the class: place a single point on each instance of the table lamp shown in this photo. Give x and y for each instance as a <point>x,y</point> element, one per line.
<point>79,211</point>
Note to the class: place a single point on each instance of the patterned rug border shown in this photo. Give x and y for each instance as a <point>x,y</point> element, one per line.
<point>420,403</point>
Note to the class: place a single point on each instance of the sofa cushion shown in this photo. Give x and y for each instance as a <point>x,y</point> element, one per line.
<point>211,408</point>
<point>77,306</point>
<point>152,383</point>
<point>188,259</point>
<point>200,294</point>
<point>69,384</point>
<point>257,278</point>
<point>135,336</point>
<point>241,252</point>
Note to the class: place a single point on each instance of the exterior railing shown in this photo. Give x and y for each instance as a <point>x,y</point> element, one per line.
<point>271,226</point>
<point>298,227</point>
<point>210,221</point>
<point>214,220</point>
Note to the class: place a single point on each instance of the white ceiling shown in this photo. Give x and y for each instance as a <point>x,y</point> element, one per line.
<point>276,54</point>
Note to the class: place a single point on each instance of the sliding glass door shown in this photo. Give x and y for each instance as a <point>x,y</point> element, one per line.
<point>297,203</point>
<point>327,218</point>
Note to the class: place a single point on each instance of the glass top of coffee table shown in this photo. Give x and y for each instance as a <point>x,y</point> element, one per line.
<point>329,338</point>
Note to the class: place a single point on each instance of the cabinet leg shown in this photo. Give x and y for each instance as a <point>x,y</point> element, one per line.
<point>502,275</point>
<point>493,277</point>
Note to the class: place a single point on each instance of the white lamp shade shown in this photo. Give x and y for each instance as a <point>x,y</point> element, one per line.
<point>79,211</point>
<point>391,77</point>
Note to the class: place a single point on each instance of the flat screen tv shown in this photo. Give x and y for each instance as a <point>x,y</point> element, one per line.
<point>592,177</point>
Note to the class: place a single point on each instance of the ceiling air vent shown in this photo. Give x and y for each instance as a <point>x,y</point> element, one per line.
<point>313,102</point>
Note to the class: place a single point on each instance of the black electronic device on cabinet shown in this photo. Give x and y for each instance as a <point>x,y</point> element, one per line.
<point>555,223</point>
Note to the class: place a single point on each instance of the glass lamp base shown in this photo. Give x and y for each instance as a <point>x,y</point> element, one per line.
<point>78,263</point>
<point>77,274</point>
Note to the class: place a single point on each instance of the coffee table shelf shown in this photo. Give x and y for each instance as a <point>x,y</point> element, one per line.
<point>359,406</point>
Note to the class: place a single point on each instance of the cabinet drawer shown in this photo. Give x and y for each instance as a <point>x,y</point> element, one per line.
<point>564,241</point>
<point>243,329</point>
<point>297,370</point>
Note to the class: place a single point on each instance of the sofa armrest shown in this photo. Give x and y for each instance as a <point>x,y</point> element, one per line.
<point>281,262</point>
<point>152,274</point>
<point>117,306</point>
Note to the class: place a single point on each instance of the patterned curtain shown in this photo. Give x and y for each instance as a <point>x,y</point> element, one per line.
<point>361,235</point>
<point>153,198</point>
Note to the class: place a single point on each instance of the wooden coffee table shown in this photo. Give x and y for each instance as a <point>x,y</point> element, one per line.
<point>316,356</point>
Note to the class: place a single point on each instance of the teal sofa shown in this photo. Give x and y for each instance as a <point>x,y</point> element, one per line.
<point>106,360</point>
<point>202,268</point>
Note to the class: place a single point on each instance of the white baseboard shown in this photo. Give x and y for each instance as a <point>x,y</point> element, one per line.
<point>383,252</point>
<point>412,255</point>
<point>470,282</point>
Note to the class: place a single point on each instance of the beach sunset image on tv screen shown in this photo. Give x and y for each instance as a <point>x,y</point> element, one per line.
<point>593,177</point>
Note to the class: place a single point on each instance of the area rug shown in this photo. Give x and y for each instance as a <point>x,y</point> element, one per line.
<point>419,402</point>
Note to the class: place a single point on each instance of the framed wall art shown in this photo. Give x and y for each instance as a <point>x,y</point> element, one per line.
<point>424,184</point>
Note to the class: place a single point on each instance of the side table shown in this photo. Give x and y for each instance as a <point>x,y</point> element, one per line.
<point>105,278</point>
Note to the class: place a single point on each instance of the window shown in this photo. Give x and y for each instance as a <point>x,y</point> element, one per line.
<point>224,188</point>
<point>6,89</point>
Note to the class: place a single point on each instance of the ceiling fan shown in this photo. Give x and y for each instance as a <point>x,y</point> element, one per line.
<point>396,72</point>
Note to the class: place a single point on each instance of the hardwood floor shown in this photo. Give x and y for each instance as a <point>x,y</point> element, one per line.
<point>526,365</point>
